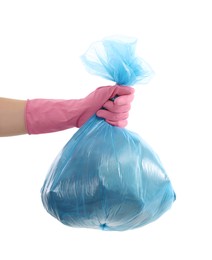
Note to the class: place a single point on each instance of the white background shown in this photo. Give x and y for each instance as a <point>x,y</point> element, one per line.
<point>40,47</point>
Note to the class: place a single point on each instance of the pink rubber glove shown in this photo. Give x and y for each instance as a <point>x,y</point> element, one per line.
<point>47,115</point>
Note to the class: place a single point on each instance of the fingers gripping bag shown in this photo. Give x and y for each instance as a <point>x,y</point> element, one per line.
<point>107,177</point>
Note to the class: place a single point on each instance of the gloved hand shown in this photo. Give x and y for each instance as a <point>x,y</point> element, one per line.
<point>116,109</point>
<point>47,115</point>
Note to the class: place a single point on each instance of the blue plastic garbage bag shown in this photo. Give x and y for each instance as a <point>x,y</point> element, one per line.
<point>107,177</point>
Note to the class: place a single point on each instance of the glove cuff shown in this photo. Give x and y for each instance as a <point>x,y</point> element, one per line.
<point>47,115</point>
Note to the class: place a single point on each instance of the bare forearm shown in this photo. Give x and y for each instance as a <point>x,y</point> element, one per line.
<point>12,117</point>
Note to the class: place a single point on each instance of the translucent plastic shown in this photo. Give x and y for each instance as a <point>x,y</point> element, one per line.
<point>107,177</point>
<point>115,59</point>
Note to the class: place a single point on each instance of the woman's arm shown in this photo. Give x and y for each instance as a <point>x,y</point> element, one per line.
<point>12,118</point>
<point>38,116</point>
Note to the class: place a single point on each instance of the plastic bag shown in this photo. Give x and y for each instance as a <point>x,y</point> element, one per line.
<point>107,177</point>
